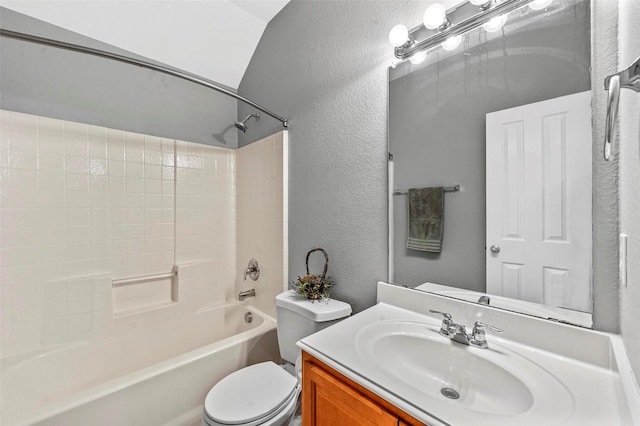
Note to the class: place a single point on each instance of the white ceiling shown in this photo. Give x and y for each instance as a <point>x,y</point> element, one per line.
<point>211,38</point>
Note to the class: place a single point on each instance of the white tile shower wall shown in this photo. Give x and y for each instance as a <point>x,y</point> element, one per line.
<point>206,218</point>
<point>141,204</point>
<point>262,217</point>
<point>81,205</point>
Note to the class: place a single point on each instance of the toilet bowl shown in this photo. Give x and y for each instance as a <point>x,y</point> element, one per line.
<point>261,394</point>
<point>267,394</point>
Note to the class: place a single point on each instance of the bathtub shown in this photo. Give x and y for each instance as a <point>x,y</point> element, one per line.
<point>147,376</point>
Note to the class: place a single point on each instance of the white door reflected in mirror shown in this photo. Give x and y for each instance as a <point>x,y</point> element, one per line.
<point>538,210</point>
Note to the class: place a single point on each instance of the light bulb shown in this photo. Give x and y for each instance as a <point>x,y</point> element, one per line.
<point>452,42</point>
<point>495,24</point>
<point>539,4</point>
<point>481,3</point>
<point>418,57</point>
<point>435,16</point>
<point>398,35</point>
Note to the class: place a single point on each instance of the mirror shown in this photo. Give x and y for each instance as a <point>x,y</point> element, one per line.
<point>519,229</point>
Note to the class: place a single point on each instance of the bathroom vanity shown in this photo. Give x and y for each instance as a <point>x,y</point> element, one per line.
<point>391,365</point>
<point>331,398</point>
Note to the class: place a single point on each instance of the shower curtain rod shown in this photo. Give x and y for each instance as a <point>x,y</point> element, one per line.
<point>121,58</point>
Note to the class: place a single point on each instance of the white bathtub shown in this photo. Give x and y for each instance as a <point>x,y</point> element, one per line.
<point>151,376</point>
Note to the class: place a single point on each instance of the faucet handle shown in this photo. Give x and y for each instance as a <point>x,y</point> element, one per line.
<point>253,270</point>
<point>446,322</point>
<point>479,337</point>
<point>446,315</point>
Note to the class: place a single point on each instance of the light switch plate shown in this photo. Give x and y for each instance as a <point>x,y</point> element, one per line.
<point>623,259</point>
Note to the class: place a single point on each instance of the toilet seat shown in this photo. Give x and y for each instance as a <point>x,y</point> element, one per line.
<point>251,396</point>
<point>279,417</point>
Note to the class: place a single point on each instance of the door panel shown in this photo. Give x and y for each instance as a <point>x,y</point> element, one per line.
<point>538,205</point>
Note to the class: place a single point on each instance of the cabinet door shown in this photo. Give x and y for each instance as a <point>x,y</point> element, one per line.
<point>330,402</point>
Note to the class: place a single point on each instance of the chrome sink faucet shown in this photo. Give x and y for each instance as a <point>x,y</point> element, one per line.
<point>458,332</point>
<point>484,300</point>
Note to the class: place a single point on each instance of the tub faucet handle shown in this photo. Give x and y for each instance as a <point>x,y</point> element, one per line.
<point>253,270</point>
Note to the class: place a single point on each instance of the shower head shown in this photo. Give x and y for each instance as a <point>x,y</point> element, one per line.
<point>242,125</point>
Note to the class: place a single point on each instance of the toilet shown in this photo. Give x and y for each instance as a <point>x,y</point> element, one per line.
<point>267,393</point>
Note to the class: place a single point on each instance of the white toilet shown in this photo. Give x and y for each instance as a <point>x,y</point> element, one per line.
<point>266,393</point>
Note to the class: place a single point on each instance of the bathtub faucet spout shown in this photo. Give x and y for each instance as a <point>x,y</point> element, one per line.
<point>247,293</point>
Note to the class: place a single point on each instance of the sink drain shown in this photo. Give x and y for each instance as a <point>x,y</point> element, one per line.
<point>450,393</point>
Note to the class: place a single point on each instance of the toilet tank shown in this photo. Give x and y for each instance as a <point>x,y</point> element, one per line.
<point>298,318</point>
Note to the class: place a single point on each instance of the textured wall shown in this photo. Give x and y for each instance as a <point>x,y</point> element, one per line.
<point>629,49</point>
<point>324,64</point>
<point>56,83</point>
<point>604,32</point>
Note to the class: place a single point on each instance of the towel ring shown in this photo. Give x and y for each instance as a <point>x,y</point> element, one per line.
<point>626,79</point>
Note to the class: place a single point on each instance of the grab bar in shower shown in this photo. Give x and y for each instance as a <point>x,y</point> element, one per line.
<point>454,188</point>
<point>144,278</point>
<point>626,79</point>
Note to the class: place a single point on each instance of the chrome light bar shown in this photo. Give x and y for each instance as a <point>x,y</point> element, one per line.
<point>461,19</point>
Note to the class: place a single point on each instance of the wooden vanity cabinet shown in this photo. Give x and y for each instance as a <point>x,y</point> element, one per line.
<point>331,399</point>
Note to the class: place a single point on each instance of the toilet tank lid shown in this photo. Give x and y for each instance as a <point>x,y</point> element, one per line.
<point>319,311</point>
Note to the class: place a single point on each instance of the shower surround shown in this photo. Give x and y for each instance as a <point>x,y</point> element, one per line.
<point>83,206</point>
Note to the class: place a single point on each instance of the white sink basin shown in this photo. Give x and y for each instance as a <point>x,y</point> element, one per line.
<point>398,354</point>
<point>417,355</point>
<point>487,383</point>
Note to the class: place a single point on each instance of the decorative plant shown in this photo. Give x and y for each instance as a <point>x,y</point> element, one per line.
<point>312,286</point>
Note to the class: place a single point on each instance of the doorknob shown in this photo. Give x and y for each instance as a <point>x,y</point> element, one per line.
<point>495,249</point>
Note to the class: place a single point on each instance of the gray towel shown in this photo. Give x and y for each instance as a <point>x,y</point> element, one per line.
<point>425,207</point>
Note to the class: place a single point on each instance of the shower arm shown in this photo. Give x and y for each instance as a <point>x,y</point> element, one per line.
<point>121,58</point>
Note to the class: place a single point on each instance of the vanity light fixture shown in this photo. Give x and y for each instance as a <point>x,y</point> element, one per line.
<point>418,58</point>
<point>495,24</point>
<point>484,4</point>
<point>399,35</point>
<point>442,27</point>
<point>435,17</point>
<point>539,4</point>
<point>452,42</point>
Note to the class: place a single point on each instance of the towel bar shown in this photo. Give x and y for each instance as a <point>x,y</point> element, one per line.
<point>454,188</point>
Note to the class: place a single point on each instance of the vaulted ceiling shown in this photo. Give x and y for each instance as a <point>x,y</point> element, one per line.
<point>211,38</point>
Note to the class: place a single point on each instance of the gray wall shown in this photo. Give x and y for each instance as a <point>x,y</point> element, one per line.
<point>437,127</point>
<point>629,148</point>
<point>73,86</point>
<point>606,277</point>
<point>324,64</point>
